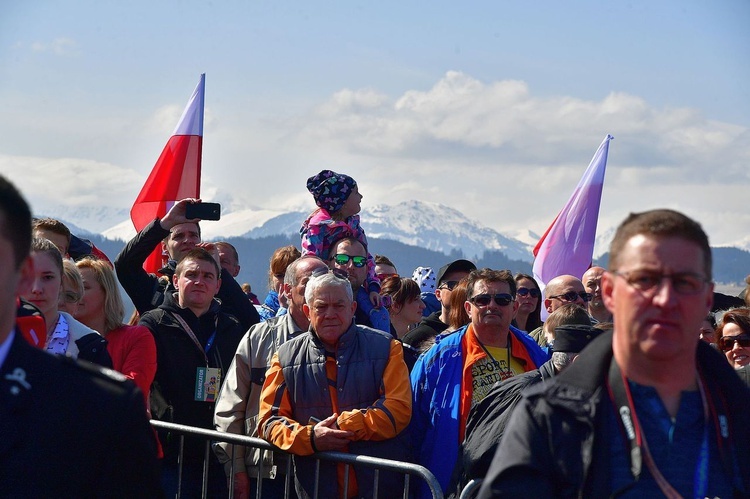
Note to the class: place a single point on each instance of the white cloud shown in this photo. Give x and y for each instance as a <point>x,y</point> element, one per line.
<point>493,150</point>
<point>59,46</point>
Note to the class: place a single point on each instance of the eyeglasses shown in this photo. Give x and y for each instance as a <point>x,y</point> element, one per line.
<point>383,277</point>
<point>572,296</point>
<point>534,293</point>
<point>727,343</point>
<point>483,300</point>
<point>341,274</point>
<point>342,259</point>
<point>448,284</point>
<point>684,283</point>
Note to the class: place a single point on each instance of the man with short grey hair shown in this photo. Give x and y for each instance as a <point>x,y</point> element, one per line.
<point>239,401</point>
<point>364,405</point>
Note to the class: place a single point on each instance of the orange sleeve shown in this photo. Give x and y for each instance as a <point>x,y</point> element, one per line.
<point>275,423</point>
<point>389,414</point>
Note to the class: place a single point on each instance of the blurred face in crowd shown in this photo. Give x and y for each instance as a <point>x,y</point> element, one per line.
<point>525,291</point>
<point>182,238</point>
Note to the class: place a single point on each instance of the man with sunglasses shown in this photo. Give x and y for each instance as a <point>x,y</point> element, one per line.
<point>648,410</point>
<point>349,255</point>
<point>559,291</point>
<point>437,322</point>
<point>459,370</point>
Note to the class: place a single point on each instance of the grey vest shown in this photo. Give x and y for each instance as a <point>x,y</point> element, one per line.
<point>361,357</point>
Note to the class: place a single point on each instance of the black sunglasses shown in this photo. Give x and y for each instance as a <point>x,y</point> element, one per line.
<point>526,292</point>
<point>448,284</point>
<point>726,343</point>
<point>483,300</point>
<point>571,296</point>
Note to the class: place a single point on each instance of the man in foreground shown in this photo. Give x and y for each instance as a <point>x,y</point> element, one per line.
<point>648,410</point>
<point>340,387</point>
<point>67,429</point>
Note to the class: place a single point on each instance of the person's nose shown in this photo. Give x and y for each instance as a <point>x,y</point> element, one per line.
<point>579,300</point>
<point>736,346</point>
<point>665,293</point>
<point>36,286</point>
<point>422,306</point>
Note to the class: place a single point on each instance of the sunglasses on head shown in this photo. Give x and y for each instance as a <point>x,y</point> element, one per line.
<point>727,343</point>
<point>383,277</point>
<point>341,274</point>
<point>534,293</point>
<point>571,296</point>
<point>341,259</point>
<point>448,284</point>
<point>483,300</point>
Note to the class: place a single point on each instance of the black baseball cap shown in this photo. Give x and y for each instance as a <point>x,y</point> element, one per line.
<point>458,265</point>
<point>574,337</point>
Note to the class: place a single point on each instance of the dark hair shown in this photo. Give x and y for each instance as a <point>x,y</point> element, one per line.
<point>50,224</point>
<point>383,260</point>
<point>739,316</point>
<point>660,223</point>
<point>351,240</point>
<point>490,275</point>
<point>535,317</point>
<point>198,254</point>
<point>15,220</point>
<point>400,289</point>
<point>457,316</point>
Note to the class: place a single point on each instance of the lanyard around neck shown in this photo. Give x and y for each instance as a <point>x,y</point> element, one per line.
<point>639,452</point>
<point>192,336</point>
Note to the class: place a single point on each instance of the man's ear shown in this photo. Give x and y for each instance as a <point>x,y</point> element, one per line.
<point>306,310</point>
<point>354,306</point>
<point>175,280</point>
<point>467,307</point>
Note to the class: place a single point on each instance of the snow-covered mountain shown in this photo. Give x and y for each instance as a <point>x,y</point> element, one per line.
<point>428,225</point>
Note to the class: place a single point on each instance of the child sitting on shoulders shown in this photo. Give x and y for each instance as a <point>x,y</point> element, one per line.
<point>339,200</point>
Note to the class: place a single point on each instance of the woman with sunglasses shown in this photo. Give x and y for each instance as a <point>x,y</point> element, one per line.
<point>733,332</point>
<point>529,298</point>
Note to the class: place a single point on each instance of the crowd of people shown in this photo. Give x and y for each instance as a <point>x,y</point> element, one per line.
<point>625,381</point>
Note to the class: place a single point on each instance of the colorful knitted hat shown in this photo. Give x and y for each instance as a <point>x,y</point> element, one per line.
<point>330,189</point>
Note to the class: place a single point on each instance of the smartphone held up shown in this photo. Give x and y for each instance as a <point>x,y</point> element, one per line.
<point>203,211</point>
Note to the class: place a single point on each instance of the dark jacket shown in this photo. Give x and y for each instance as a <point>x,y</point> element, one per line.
<point>487,422</point>
<point>557,441</point>
<point>71,429</point>
<point>147,290</point>
<point>426,331</point>
<point>178,358</point>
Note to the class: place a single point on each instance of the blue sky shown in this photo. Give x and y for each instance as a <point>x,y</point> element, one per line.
<point>492,107</point>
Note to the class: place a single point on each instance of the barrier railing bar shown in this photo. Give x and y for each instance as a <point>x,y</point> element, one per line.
<point>407,469</point>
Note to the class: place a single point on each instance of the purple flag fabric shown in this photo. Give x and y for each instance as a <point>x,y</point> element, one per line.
<point>568,245</point>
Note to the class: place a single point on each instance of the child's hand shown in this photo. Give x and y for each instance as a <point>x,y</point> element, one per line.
<point>375,299</point>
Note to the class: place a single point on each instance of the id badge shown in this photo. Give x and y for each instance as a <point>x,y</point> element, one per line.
<point>207,382</point>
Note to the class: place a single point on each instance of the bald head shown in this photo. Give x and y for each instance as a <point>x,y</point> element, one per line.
<point>563,289</point>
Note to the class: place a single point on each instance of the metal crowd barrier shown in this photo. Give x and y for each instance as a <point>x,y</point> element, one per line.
<point>407,469</point>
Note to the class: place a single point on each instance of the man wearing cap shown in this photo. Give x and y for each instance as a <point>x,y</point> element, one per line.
<point>648,410</point>
<point>437,322</point>
<point>488,419</point>
<point>459,370</point>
